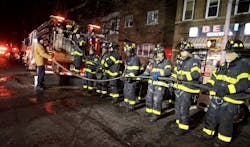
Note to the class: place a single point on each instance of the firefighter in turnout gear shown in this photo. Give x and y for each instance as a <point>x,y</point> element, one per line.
<point>113,70</point>
<point>79,51</point>
<point>132,68</point>
<point>102,87</point>
<point>187,69</point>
<point>228,82</point>
<point>90,69</point>
<point>156,88</point>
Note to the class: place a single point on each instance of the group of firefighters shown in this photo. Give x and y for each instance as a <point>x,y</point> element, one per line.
<point>227,84</point>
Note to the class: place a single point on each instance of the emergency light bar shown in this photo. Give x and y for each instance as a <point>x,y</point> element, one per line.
<point>94,26</point>
<point>59,18</point>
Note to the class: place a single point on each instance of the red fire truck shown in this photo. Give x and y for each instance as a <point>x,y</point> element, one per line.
<point>57,40</point>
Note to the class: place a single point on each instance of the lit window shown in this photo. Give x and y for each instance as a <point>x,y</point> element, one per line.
<point>114,23</point>
<point>242,6</point>
<point>188,10</point>
<point>212,8</point>
<point>193,32</point>
<point>145,49</point>
<point>152,17</point>
<point>129,22</point>
<point>247,29</point>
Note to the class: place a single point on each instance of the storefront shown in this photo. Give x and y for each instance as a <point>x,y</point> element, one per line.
<point>207,41</point>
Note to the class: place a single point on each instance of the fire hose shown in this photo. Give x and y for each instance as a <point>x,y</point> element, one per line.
<point>201,86</point>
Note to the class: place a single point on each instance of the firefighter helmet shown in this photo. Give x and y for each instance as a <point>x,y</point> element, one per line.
<point>113,46</point>
<point>129,47</point>
<point>159,49</point>
<point>104,46</point>
<point>186,46</point>
<point>234,45</point>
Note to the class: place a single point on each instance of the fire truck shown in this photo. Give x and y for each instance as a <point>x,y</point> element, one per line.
<point>57,41</point>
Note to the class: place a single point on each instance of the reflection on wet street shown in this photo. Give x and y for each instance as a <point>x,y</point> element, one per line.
<point>63,115</point>
<point>4,92</point>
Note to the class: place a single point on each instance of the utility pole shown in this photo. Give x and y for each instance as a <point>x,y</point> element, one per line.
<point>226,29</point>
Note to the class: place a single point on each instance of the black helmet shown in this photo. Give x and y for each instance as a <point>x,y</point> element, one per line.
<point>129,47</point>
<point>234,45</point>
<point>113,46</point>
<point>104,45</point>
<point>186,46</point>
<point>159,49</point>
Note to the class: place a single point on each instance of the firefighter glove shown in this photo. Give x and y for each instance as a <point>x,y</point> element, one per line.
<point>129,80</point>
<point>221,92</point>
<point>142,76</point>
<point>155,75</point>
<point>180,77</point>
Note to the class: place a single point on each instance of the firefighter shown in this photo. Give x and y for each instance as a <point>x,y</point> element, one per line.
<point>132,68</point>
<point>79,51</point>
<point>228,82</point>
<point>90,69</point>
<point>187,69</point>
<point>156,88</point>
<point>113,70</point>
<point>102,87</point>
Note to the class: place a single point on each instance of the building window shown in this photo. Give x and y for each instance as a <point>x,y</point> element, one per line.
<point>129,22</point>
<point>213,7</point>
<point>114,29</point>
<point>145,49</point>
<point>152,17</point>
<point>188,11</point>
<point>242,6</point>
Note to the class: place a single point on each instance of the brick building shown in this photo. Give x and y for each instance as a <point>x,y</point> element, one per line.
<point>202,21</point>
<point>147,23</point>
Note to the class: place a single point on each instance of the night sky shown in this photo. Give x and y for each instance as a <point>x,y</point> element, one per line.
<point>19,17</point>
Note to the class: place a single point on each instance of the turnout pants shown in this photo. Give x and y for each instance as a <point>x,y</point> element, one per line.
<point>183,101</point>
<point>114,91</point>
<point>40,74</point>
<point>220,113</point>
<point>104,85</point>
<point>129,92</point>
<point>88,85</point>
<point>154,99</point>
<point>78,63</point>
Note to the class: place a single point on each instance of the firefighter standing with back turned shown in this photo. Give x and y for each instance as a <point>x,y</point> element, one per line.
<point>113,70</point>
<point>79,51</point>
<point>228,82</point>
<point>132,68</point>
<point>90,69</point>
<point>188,69</point>
<point>156,88</point>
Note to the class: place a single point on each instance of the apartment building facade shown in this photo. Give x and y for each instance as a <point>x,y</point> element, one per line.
<point>147,23</point>
<point>202,23</point>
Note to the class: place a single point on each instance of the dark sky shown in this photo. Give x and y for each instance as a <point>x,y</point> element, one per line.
<point>19,17</point>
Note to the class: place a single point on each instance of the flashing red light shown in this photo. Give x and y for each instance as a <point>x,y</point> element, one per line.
<point>3,50</point>
<point>59,18</point>
<point>94,27</point>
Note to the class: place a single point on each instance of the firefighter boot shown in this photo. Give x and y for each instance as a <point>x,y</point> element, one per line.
<point>204,136</point>
<point>220,143</point>
<point>180,132</point>
<point>123,104</point>
<point>154,118</point>
<point>114,101</point>
<point>148,114</point>
<point>130,108</point>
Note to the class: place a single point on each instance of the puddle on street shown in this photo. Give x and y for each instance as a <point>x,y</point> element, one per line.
<point>6,78</point>
<point>52,107</point>
<point>5,92</point>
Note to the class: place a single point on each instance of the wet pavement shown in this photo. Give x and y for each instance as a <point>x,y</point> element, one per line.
<point>63,115</point>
